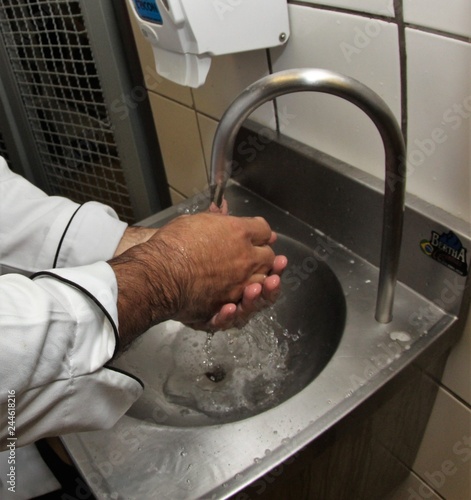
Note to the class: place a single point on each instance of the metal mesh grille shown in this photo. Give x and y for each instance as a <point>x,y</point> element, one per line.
<point>52,60</point>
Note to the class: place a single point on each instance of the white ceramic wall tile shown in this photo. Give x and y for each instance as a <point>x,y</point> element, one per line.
<point>365,49</point>
<point>153,81</point>
<point>182,153</point>
<point>207,130</point>
<point>176,197</point>
<point>228,76</point>
<point>439,132</point>
<point>380,7</point>
<point>452,16</point>
<point>413,488</point>
<point>444,458</point>
<point>457,376</point>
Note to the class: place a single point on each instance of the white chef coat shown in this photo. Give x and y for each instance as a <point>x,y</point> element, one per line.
<point>59,328</point>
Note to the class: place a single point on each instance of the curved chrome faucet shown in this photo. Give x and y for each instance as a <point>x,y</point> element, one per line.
<point>318,80</point>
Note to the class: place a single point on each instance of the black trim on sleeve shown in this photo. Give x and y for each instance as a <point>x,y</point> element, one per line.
<point>56,258</point>
<point>89,295</point>
<point>123,372</point>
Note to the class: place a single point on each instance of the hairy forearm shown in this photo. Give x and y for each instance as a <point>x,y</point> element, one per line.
<point>147,291</point>
<point>188,270</point>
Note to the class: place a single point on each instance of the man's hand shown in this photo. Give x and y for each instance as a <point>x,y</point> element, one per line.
<point>255,298</point>
<point>193,268</point>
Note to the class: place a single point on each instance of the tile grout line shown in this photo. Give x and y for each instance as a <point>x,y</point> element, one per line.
<point>274,102</point>
<point>398,12</point>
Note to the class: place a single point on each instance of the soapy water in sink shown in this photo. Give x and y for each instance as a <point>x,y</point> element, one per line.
<point>192,379</point>
<point>231,373</point>
<point>248,365</point>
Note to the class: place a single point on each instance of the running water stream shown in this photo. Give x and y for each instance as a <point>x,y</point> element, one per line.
<point>230,373</point>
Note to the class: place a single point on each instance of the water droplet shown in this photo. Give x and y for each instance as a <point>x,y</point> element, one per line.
<point>400,336</point>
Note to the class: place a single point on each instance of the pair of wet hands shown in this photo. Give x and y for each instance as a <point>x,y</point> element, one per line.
<point>227,256</point>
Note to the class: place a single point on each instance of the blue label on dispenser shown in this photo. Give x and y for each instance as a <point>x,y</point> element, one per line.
<point>148,10</point>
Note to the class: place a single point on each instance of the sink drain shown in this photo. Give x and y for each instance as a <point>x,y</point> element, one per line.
<point>217,374</point>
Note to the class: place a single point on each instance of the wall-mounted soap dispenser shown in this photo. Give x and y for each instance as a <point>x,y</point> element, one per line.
<point>185,34</point>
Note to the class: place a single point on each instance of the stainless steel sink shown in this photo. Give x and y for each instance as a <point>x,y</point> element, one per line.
<point>336,357</point>
<point>193,378</point>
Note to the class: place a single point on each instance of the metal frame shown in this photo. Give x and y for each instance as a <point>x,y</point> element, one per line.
<point>133,150</point>
<point>129,115</point>
<point>15,128</point>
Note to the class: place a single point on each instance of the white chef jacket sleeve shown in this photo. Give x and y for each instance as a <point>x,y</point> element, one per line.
<point>58,329</point>
<point>42,232</point>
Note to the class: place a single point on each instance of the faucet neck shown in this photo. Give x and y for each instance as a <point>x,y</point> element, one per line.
<point>318,80</point>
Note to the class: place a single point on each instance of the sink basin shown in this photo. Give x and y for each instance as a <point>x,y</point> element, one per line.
<point>195,433</point>
<point>193,378</point>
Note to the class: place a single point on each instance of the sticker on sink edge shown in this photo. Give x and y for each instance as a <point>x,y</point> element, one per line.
<point>447,249</point>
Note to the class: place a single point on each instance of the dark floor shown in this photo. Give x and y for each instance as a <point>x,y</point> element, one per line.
<point>73,487</point>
